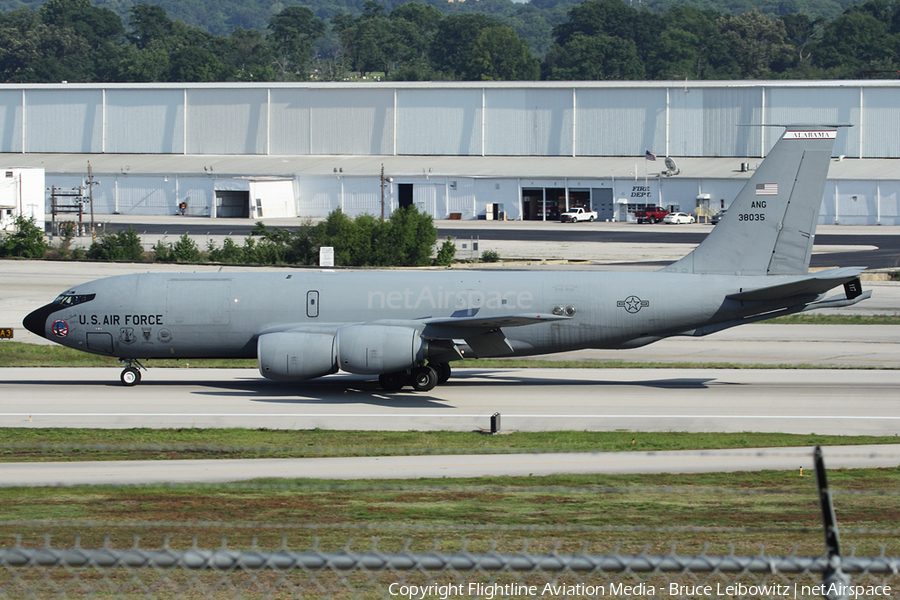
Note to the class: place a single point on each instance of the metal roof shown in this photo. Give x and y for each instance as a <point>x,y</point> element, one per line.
<point>525,167</point>
<point>716,84</point>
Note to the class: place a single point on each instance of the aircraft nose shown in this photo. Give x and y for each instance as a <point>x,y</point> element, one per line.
<point>36,321</point>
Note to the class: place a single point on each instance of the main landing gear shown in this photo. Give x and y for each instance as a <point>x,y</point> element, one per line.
<point>422,379</point>
<point>131,375</point>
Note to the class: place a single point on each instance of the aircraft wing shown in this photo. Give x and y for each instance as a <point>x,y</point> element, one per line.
<point>493,322</point>
<point>483,335</point>
<point>815,284</point>
<point>450,328</point>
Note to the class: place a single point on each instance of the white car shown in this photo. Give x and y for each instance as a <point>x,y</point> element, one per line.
<point>678,217</point>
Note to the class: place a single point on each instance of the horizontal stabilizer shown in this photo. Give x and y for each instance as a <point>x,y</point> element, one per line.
<point>815,284</point>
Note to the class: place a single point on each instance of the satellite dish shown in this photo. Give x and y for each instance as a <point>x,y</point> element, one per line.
<point>671,167</point>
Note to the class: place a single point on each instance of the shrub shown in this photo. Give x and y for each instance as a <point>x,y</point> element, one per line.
<point>407,239</point>
<point>446,253</point>
<point>124,245</point>
<point>229,253</point>
<point>162,252</point>
<point>27,242</point>
<point>185,250</point>
<point>490,256</point>
<point>66,236</point>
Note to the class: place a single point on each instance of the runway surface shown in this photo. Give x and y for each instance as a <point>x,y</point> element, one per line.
<point>412,467</point>
<point>849,402</point>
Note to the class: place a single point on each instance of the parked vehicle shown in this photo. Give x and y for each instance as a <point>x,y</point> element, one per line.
<point>717,217</point>
<point>651,215</point>
<point>678,218</point>
<point>573,215</point>
<point>551,211</point>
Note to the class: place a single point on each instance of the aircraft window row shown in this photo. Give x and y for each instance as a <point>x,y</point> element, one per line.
<point>73,299</point>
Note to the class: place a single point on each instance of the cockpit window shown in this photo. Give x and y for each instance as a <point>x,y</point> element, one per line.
<point>68,299</point>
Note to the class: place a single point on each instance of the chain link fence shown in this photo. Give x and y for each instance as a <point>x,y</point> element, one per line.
<point>181,559</point>
<point>136,572</point>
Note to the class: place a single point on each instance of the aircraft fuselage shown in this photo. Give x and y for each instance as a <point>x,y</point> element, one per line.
<point>221,315</point>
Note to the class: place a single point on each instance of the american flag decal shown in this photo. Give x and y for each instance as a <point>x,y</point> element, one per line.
<point>766,189</point>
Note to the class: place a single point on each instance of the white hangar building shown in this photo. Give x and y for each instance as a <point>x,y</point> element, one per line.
<point>523,150</point>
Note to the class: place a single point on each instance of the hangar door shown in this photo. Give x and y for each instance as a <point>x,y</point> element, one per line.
<point>602,202</point>
<point>232,204</point>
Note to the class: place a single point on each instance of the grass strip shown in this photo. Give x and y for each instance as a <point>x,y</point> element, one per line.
<point>63,444</point>
<point>19,354</point>
<point>645,512</point>
<point>818,319</point>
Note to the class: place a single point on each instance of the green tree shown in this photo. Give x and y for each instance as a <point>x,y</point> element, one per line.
<point>499,54</point>
<point>27,241</point>
<point>687,46</point>
<point>96,26</point>
<point>192,63</point>
<point>21,46</point>
<point>755,46</point>
<point>144,65</point>
<point>412,237</point>
<point>801,31</point>
<point>414,26</point>
<point>248,56</point>
<point>608,17</point>
<point>149,26</point>
<point>853,42</point>
<point>598,57</point>
<point>338,231</point>
<point>451,46</point>
<point>292,32</point>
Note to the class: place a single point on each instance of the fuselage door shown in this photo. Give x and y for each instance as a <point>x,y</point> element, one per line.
<point>312,304</point>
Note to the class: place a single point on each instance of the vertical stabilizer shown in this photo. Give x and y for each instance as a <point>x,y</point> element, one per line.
<point>770,226</point>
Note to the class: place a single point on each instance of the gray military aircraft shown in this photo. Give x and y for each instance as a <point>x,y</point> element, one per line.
<point>406,327</point>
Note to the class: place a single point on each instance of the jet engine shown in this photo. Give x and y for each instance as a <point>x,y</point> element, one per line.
<point>377,349</point>
<point>288,356</point>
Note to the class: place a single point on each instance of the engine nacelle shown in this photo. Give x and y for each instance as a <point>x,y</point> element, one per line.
<point>376,349</point>
<point>287,356</point>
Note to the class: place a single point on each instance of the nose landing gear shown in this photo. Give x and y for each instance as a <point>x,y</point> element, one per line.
<point>131,375</point>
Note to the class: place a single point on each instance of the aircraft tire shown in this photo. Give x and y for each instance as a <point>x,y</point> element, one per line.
<point>443,370</point>
<point>130,377</point>
<point>392,382</point>
<point>424,379</point>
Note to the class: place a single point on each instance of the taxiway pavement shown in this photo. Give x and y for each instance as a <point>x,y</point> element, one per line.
<point>844,402</point>
<point>441,466</point>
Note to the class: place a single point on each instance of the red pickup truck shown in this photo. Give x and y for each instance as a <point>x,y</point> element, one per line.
<point>650,215</point>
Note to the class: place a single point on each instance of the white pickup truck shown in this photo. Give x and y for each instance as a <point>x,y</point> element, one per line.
<point>577,214</point>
